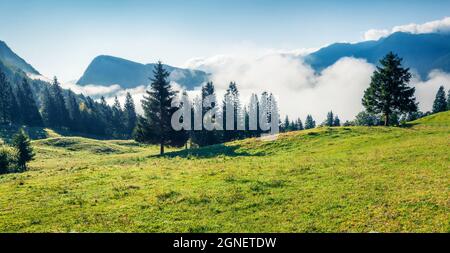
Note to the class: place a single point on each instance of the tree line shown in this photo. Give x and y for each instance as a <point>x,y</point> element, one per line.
<point>61,109</point>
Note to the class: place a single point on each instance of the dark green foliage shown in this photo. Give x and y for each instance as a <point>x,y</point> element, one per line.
<point>309,122</point>
<point>5,100</point>
<point>330,119</point>
<point>155,126</point>
<point>440,102</point>
<point>336,121</point>
<point>448,100</point>
<point>27,103</point>
<point>389,92</point>
<point>367,119</point>
<point>73,108</point>
<point>21,143</point>
<point>5,160</point>
<point>130,116</point>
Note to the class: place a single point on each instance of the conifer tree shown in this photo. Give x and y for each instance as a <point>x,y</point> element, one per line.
<point>330,119</point>
<point>21,143</point>
<point>231,118</point>
<point>28,108</point>
<point>440,102</point>
<point>389,92</point>
<point>73,108</point>
<point>61,113</point>
<point>309,122</point>
<point>129,114</point>
<point>156,126</point>
<point>336,121</point>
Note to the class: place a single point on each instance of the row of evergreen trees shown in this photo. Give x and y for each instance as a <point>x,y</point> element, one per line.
<point>154,126</point>
<point>61,109</point>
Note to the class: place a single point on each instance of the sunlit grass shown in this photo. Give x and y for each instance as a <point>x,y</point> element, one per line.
<point>348,179</point>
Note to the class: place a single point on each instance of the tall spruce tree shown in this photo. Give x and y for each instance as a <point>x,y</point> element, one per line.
<point>21,143</point>
<point>118,118</point>
<point>28,108</point>
<point>48,108</point>
<point>156,124</point>
<point>206,137</point>
<point>309,122</point>
<point>234,116</point>
<point>73,108</point>
<point>299,124</point>
<point>286,124</point>
<point>448,100</point>
<point>389,92</point>
<point>440,102</point>
<point>336,121</point>
<point>129,114</point>
<point>330,119</point>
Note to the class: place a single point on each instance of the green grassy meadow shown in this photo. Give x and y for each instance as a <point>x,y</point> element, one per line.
<point>347,179</point>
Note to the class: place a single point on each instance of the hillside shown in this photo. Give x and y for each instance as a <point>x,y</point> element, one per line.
<point>347,179</point>
<point>12,60</point>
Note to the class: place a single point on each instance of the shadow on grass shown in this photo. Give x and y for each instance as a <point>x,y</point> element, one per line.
<point>408,125</point>
<point>212,151</point>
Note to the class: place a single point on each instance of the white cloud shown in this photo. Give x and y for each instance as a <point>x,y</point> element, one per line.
<point>426,89</point>
<point>437,26</point>
<point>300,91</point>
<point>92,90</point>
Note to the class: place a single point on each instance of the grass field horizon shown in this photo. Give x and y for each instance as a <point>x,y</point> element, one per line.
<point>342,179</point>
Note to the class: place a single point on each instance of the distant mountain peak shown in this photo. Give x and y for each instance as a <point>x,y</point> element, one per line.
<point>108,70</point>
<point>420,52</point>
<point>12,60</point>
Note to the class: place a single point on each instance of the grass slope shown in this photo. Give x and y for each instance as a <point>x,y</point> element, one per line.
<point>354,179</point>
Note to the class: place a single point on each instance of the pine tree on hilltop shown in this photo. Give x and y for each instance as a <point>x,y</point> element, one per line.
<point>440,102</point>
<point>336,121</point>
<point>389,93</point>
<point>129,114</point>
<point>156,124</point>
<point>299,124</point>
<point>448,100</point>
<point>330,119</point>
<point>29,110</point>
<point>286,124</point>
<point>21,143</point>
<point>309,122</point>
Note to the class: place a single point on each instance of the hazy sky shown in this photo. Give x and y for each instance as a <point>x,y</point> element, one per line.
<point>60,37</point>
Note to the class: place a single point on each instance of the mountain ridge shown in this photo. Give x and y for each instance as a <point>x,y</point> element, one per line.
<point>421,52</point>
<point>10,59</point>
<point>108,70</point>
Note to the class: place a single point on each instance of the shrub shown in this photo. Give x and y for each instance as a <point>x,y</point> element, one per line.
<point>7,160</point>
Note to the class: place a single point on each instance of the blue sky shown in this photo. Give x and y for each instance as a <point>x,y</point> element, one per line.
<point>60,37</point>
